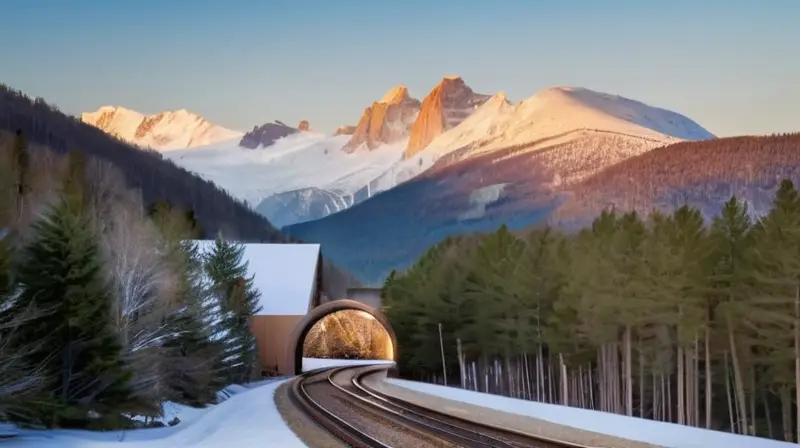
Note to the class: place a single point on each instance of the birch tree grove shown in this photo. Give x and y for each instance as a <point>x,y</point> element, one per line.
<point>144,288</point>
<point>667,317</point>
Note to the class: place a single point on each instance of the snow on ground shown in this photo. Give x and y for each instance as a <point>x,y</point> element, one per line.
<point>321,363</point>
<point>298,161</point>
<point>284,274</point>
<point>247,418</point>
<point>658,433</point>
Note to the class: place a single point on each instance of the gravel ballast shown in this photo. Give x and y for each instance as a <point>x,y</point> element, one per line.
<point>306,429</point>
<point>493,417</point>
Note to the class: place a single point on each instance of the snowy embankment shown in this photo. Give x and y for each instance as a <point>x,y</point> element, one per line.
<point>245,416</point>
<point>319,363</point>
<point>248,417</point>
<point>631,428</point>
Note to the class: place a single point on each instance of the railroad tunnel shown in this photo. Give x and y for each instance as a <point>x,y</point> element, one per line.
<point>294,354</point>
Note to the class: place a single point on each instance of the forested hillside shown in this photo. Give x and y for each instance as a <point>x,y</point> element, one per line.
<point>703,174</point>
<point>665,316</point>
<point>144,170</point>
<point>106,309</point>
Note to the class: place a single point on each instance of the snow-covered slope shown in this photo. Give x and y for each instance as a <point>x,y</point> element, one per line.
<point>308,176</point>
<point>307,169</point>
<point>163,131</point>
<point>600,127</point>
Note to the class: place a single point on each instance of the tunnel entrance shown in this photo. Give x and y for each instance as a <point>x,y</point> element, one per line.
<point>341,329</point>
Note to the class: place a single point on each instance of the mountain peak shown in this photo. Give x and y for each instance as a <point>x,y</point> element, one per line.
<point>175,129</point>
<point>395,95</point>
<point>445,107</point>
<point>386,121</point>
<point>571,107</point>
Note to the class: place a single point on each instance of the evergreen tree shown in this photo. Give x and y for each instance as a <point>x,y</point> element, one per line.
<point>238,301</point>
<point>75,185</point>
<point>21,163</point>
<point>61,277</point>
<point>193,378</point>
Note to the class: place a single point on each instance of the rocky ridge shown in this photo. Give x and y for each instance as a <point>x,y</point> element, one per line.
<point>386,121</point>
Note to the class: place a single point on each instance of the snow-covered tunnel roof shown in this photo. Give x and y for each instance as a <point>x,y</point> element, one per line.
<point>284,274</point>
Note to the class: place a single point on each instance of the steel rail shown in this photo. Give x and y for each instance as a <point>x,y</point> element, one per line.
<point>326,419</point>
<point>534,440</point>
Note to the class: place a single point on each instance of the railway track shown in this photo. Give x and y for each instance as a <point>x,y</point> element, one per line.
<point>338,401</point>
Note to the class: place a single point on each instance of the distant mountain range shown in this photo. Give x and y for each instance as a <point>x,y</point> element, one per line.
<point>412,172</point>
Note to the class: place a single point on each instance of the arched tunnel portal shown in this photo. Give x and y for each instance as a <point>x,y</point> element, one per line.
<point>294,353</point>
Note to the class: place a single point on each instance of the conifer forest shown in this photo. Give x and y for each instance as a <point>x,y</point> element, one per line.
<point>107,309</point>
<point>671,317</point>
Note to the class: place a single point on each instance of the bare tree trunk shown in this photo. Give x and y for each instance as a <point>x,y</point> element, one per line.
<point>738,381</point>
<point>641,379</point>
<point>460,362</point>
<point>709,391</point>
<point>797,359</point>
<point>628,372</point>
<point>564,384</point>
<point>550,395</point>
<point>786,414</point>
<point>752,429</point>
<point>728,394</point>
<point>768,416</point>
<point>669,417</point>
<point>681,386</point>
<point>591,388</point>
<point>696,382</point>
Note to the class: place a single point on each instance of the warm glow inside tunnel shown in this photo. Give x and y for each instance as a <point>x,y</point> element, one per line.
<point>348,334</point>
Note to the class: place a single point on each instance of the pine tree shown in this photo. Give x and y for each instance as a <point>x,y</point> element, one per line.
<point>193,378</point>
<point>61,276</point>
<point>21,162</point>
<point>238,301</point>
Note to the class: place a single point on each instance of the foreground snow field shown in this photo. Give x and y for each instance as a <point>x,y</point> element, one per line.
<point>248,418</point>
<point>657,433</point>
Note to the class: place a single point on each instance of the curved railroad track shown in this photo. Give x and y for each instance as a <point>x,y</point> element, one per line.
<point>337,400</point>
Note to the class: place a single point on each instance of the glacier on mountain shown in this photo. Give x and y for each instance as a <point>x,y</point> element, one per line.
<point>298,178</point>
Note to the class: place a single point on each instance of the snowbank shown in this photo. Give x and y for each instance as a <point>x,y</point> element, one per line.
<point>247,418</point>
<point>321,363</point>
<point>632,428</point>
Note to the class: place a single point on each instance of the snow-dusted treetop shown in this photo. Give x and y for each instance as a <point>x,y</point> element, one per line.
<point>168,130</point>
<point>284,274</point>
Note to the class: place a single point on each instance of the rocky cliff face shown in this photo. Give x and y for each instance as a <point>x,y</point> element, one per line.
<point>445,107</point>
<point>345,130</point>
<point>266,135</point>
<point>386,121</point>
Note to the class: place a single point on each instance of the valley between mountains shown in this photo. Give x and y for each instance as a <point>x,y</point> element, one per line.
<point>379,191</point>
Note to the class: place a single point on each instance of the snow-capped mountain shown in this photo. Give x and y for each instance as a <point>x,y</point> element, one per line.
<point>570,132</point>
<point>163,131</point>
<point>299,177</point>
<point>503,164</point>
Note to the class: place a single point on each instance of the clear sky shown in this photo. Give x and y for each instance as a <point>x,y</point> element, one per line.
<point>731,65</point>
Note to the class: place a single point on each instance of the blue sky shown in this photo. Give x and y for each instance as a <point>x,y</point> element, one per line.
<point>730,65</point>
